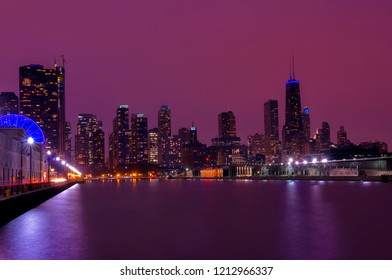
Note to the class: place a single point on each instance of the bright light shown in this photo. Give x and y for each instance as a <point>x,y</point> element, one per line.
<point>297,162</point>
<point>48,153</point>
<point>30,140</point>
<point>305,162</point>
<point>67,165</point>
<point>314,160</point>
<point>63,162</point>
<point>324,160</point>
<point>74,170</point>
<point>58,158</point>
<point>289,163</point>
<point>291,159</point>
<point>58,180</point>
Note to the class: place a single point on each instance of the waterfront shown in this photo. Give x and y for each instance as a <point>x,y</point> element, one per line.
<point>206,219</point>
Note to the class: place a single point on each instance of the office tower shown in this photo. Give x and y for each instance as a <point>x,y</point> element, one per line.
<point>323,137</point>
<point>9,103</point>
<point>184,135</point>
<point>226,125</point>
<point>90,145</point>
<point>306,123</point>
<point>256,144</point>
<point>271,129</point>
<point>341,137</point>
<point>139,139</point>
<point>42,98</point>
<point>119,140</point>
<point>293,135</point>
<point>164,132</point>
<point>193,135</point>
<point>153,145</point>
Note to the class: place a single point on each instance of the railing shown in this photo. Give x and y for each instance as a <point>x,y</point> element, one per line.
<point>8,190</point>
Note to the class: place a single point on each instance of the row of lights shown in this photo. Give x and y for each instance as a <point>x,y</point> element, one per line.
<point>305,162</point>
<point>63,162</point>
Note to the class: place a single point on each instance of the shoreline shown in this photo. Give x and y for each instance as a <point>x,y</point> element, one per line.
<point>16,205</point>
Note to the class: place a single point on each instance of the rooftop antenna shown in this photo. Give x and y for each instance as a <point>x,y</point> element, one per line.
<point>290,67</point>
<point>63,59</point>
<point>55,63</point>
<point>293,68</point>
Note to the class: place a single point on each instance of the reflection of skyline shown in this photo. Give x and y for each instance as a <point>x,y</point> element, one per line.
<point>205,57</point>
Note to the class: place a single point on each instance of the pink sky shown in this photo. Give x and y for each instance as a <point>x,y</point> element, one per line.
<point>205,57</point>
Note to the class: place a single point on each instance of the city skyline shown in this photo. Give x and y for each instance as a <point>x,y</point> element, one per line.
<point>225,57</point>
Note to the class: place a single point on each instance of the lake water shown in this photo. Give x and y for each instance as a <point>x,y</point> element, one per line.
<point>207,219</point>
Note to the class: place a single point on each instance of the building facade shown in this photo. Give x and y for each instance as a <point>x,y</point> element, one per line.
<point>9,103</point>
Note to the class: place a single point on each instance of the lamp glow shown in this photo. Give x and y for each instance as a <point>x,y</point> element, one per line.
<point>30,140</point>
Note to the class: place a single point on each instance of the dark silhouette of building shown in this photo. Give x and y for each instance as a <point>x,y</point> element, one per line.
<point>9,103</point>
<point>342,137</point>
<point>119,141</point>
<point>227,130</point>
<point>68,143</point>
<point>293,134</point>
<point>324,138</point>
<point>139,139</point>
<point>90,145</point>
<point>271,129</point>
<point>42,98</point>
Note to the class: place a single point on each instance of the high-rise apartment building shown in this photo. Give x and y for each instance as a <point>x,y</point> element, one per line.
<point>139,139</point>
<point>42,98</point>
<point>120,140</point>
<point>164,133</point>
<point>271,129</point>
<point>90,144</point>
<point>153,145</point>
<point>341,137</point>
<point>9,103</point>
<point>227,125</point>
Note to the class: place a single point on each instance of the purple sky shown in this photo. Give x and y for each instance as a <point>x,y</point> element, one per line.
<point>205,57</point>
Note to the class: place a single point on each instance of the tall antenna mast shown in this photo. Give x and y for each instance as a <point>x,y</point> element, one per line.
<point>293,68</point>
<point>63,59</point>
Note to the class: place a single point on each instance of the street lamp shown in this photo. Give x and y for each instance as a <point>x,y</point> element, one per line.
<point>30,141</point>
<point>48,153</point>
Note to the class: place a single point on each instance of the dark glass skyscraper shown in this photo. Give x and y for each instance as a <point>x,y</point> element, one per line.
<point>306,123</point>
<point>271,128</point>
<point>42,98</point>
<point>293,135</point>
<point>227,125</point>
<point>9,103</point>
<point>119,140</point>
<point>139,138</point>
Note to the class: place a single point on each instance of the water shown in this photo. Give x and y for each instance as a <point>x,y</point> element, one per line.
<point>207,219</point>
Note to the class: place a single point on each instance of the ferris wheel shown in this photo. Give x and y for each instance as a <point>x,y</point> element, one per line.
<point>19,121</point>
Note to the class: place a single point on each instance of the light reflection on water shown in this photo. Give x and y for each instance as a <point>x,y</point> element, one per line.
<point>206,219</point>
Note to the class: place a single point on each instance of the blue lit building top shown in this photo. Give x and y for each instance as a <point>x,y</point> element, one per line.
<point>292,81</point>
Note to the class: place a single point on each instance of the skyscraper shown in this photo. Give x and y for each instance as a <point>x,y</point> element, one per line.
<point>293,135</point>
<point>306,123</point>
<point>271,129</point>
<point>68,142</point>
<point>227,125</point>
<point>153,145</point>
<point>341,137</point>
<point>164,132</point>
<point>90,144</point>
<point>119,140</point>
<point>139,138</point>
<point>9,103</point>
<point>42,98</point>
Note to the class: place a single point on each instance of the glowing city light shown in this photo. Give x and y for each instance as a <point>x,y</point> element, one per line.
<point>57,158</point>
<point>297,162</point>
<point>30,140</point>
<point>324,160</point>
<point>305,162</point>
<point>63,162</point>
<point>48,153</point>
<point>314,160</point>
<point>291,159</point>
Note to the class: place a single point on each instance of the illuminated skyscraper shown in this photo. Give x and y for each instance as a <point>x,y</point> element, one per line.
<point>139,138</point>
<point>293,134</point>
<point>227,125</point>
<point>119,140</point>
<point>42,98</point>
<point>306,123</point>
<point>153,145</point>
<point>164,132</point>
<point>90,144</point>
<point>9,103</point>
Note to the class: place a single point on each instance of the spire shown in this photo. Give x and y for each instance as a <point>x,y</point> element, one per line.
<point>293,67</point>
<point>55,63</point>
<point>290,71</point>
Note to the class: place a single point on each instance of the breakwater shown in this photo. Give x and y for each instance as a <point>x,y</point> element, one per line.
<point>15,205</point>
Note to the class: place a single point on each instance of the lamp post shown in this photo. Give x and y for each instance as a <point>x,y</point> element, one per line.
<point>30,141</point>
<point>48,153</point>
